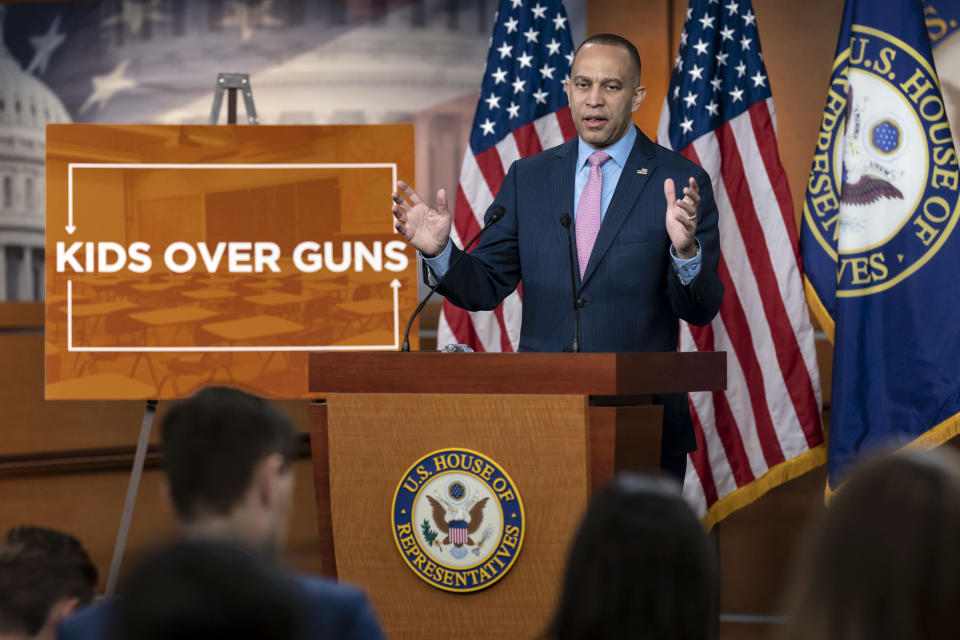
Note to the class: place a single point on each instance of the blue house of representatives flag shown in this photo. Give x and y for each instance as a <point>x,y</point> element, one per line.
<point>881,251</point>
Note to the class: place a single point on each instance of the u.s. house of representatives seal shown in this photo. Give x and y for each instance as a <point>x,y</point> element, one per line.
<point>883,191</point>
<point>458,520</point>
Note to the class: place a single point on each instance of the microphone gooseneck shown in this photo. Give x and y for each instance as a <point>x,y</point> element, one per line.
<point>495,214</point>
<point>565,220</point>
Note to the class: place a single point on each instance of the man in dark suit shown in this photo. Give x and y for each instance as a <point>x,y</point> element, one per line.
<point>229,461</point>
<point>642,263</point>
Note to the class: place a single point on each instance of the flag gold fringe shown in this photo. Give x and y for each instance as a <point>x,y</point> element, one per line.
<point>931,439</point>
<point>781,473</point>
<point>819,311</point>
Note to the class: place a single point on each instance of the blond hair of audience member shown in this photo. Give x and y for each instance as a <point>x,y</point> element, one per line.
<point>884,560</point>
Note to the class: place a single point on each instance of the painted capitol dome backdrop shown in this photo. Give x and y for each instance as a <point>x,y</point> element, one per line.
<point>27,105</point>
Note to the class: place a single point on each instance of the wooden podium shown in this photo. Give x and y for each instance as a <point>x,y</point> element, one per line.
<point>559,424</point>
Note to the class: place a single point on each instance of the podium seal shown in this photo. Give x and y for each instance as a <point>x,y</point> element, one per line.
<point>458,520</point>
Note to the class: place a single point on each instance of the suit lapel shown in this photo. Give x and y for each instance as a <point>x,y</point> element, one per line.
<point>564,170</point>
<point>631,183</point>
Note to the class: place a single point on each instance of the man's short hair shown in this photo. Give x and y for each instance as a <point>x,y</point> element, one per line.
<point>38,568</point>
<point>613,40</point>
<point>213,442</point>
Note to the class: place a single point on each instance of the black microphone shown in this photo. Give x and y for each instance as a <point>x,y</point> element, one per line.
<point>575,347</point>
<point>495,214</point>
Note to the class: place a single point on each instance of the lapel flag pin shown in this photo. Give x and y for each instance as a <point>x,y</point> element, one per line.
<point>643,171</point>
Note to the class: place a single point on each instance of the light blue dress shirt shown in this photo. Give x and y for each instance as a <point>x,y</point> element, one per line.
<point>687,270</point>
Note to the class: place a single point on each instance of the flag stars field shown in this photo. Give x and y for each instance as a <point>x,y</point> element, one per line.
<point>771,400</point>
<point>529,58</point>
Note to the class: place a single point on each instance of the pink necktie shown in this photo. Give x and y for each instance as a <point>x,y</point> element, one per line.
<point>588,211</point>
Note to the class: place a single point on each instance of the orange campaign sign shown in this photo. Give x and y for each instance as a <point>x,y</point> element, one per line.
<point>181,256</point>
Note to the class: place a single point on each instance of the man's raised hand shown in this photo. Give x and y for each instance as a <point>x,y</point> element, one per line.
<point>682,217</point>
<point>426,228</point>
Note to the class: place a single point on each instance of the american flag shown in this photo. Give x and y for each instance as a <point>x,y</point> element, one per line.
<point>765,428</point>
<point>522,111</point>
<point>458,532</point>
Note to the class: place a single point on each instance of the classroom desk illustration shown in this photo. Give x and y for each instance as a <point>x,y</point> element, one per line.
<point>257,328</point>
<point>119,386</point>
<point>367,312</point>
<point>179,316</point>
<point>209,294</point>
<point>378,338</point>
<point>89,314</point>
<point>252,328</point>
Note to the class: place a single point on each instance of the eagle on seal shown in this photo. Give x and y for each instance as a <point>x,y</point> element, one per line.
<point>865,188</point>
<point>476,519</point>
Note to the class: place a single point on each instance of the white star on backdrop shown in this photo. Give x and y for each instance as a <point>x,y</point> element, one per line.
<point>105,87</point>
<point>701,47</point>
<point>736,94</point>
<point>707,21</point>
<point>690,99</point>
<point>531,35</point>
<point>44,46</point>
<point>505,50</point>
<point>727,33</point>
<point>511,25</point>
<point>560,22</point>
<point>733,7</point>
<point>499,76</point>
<point>546,72</point>
<point>553,47</point>
<point>717,83</point>
<point>541,96</point>
<point>759,80</point>
<point>539,11</point>
<point>713,108</point>
<point>517,3</point>
<point>749,18</point>
<point>741,69</point>
<point>745,42</point>
<point>493,102</point>
<point>135,14</point>
<point>518,85</point>
<point>525,60</point>
<point>722,59</point>
<point>249,17</point>
<point>487,127</point>
<point>696,73</point>
<point>687,125</point>
<point>513,110</point>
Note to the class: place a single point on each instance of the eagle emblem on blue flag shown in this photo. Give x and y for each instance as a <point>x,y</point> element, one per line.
<point>879,239</point>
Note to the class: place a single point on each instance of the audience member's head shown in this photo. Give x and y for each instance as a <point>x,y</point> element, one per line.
<point>641,566</point>
<point>884,561</point>
<point>44,576</point>
<point>229,467</point>
<point>202,590</point>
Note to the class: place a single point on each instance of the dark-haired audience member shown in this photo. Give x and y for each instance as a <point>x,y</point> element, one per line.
<point>883,562</point>
<point>202,590</point>
<point>229,462</point>
<point>44,576</point>
<point>641,567</point>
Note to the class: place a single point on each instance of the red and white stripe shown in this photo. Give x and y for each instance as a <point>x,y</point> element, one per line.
<point>480,179</point>
<point>770,412</point>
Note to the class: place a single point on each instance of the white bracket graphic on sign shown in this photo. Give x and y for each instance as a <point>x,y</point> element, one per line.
<point>71,228</point>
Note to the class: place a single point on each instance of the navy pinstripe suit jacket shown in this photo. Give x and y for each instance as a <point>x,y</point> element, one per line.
<point>630,293</point>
